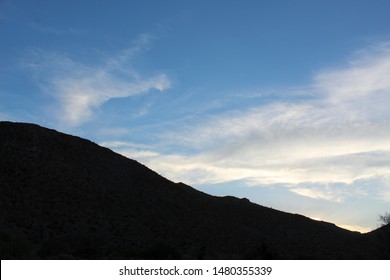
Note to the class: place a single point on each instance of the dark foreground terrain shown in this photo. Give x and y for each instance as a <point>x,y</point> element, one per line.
<point>63,197</point>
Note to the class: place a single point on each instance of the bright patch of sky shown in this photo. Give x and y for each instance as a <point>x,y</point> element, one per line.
<point>283,102</point>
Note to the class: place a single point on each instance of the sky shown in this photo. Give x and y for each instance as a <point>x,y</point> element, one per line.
<point>282,102</point>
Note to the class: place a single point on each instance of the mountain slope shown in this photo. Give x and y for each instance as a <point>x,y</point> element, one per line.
<point>65,197</point>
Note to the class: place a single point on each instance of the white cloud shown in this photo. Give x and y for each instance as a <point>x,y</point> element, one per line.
<point>365,76</point>
<point>81,88</point>
<point>320,192</point>
<point>340,135</point>
<point>79,96</point>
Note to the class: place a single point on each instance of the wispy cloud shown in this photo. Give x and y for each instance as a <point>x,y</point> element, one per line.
<point>81,88</point>
<point>340,135</point>
<point>79,96</point>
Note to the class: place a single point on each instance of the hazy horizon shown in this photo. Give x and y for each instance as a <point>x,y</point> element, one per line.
<point>283,103</point>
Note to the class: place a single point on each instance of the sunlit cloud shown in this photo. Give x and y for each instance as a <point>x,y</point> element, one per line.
<point>340,135</point>
<point>81,88</point>
<point>325,192</point>
<point>81,95</point>
<point>366,76</point>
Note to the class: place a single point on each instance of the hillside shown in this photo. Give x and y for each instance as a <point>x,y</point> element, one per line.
<point>63,197</point>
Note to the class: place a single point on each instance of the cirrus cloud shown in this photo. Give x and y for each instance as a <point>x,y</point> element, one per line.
<point>80,88</point>
<point>339,135</point>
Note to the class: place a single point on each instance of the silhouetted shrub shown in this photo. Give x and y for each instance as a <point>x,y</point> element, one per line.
<point>384,219</point>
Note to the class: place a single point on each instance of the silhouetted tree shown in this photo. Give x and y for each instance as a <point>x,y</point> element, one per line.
<point>384,219</point>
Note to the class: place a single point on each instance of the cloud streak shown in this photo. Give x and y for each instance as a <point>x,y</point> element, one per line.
<point>340,135</point>
<point>80,96</point>
<point>81,88</point>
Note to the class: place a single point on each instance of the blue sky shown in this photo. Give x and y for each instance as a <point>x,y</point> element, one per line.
<point>283,102</point>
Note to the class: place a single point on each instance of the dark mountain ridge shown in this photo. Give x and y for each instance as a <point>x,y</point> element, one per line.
<point>64,197</point>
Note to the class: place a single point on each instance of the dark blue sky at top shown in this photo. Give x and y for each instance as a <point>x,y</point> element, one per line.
<point>224,44</point>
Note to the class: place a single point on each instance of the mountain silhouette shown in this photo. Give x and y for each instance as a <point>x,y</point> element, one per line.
<point>64,197</point>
